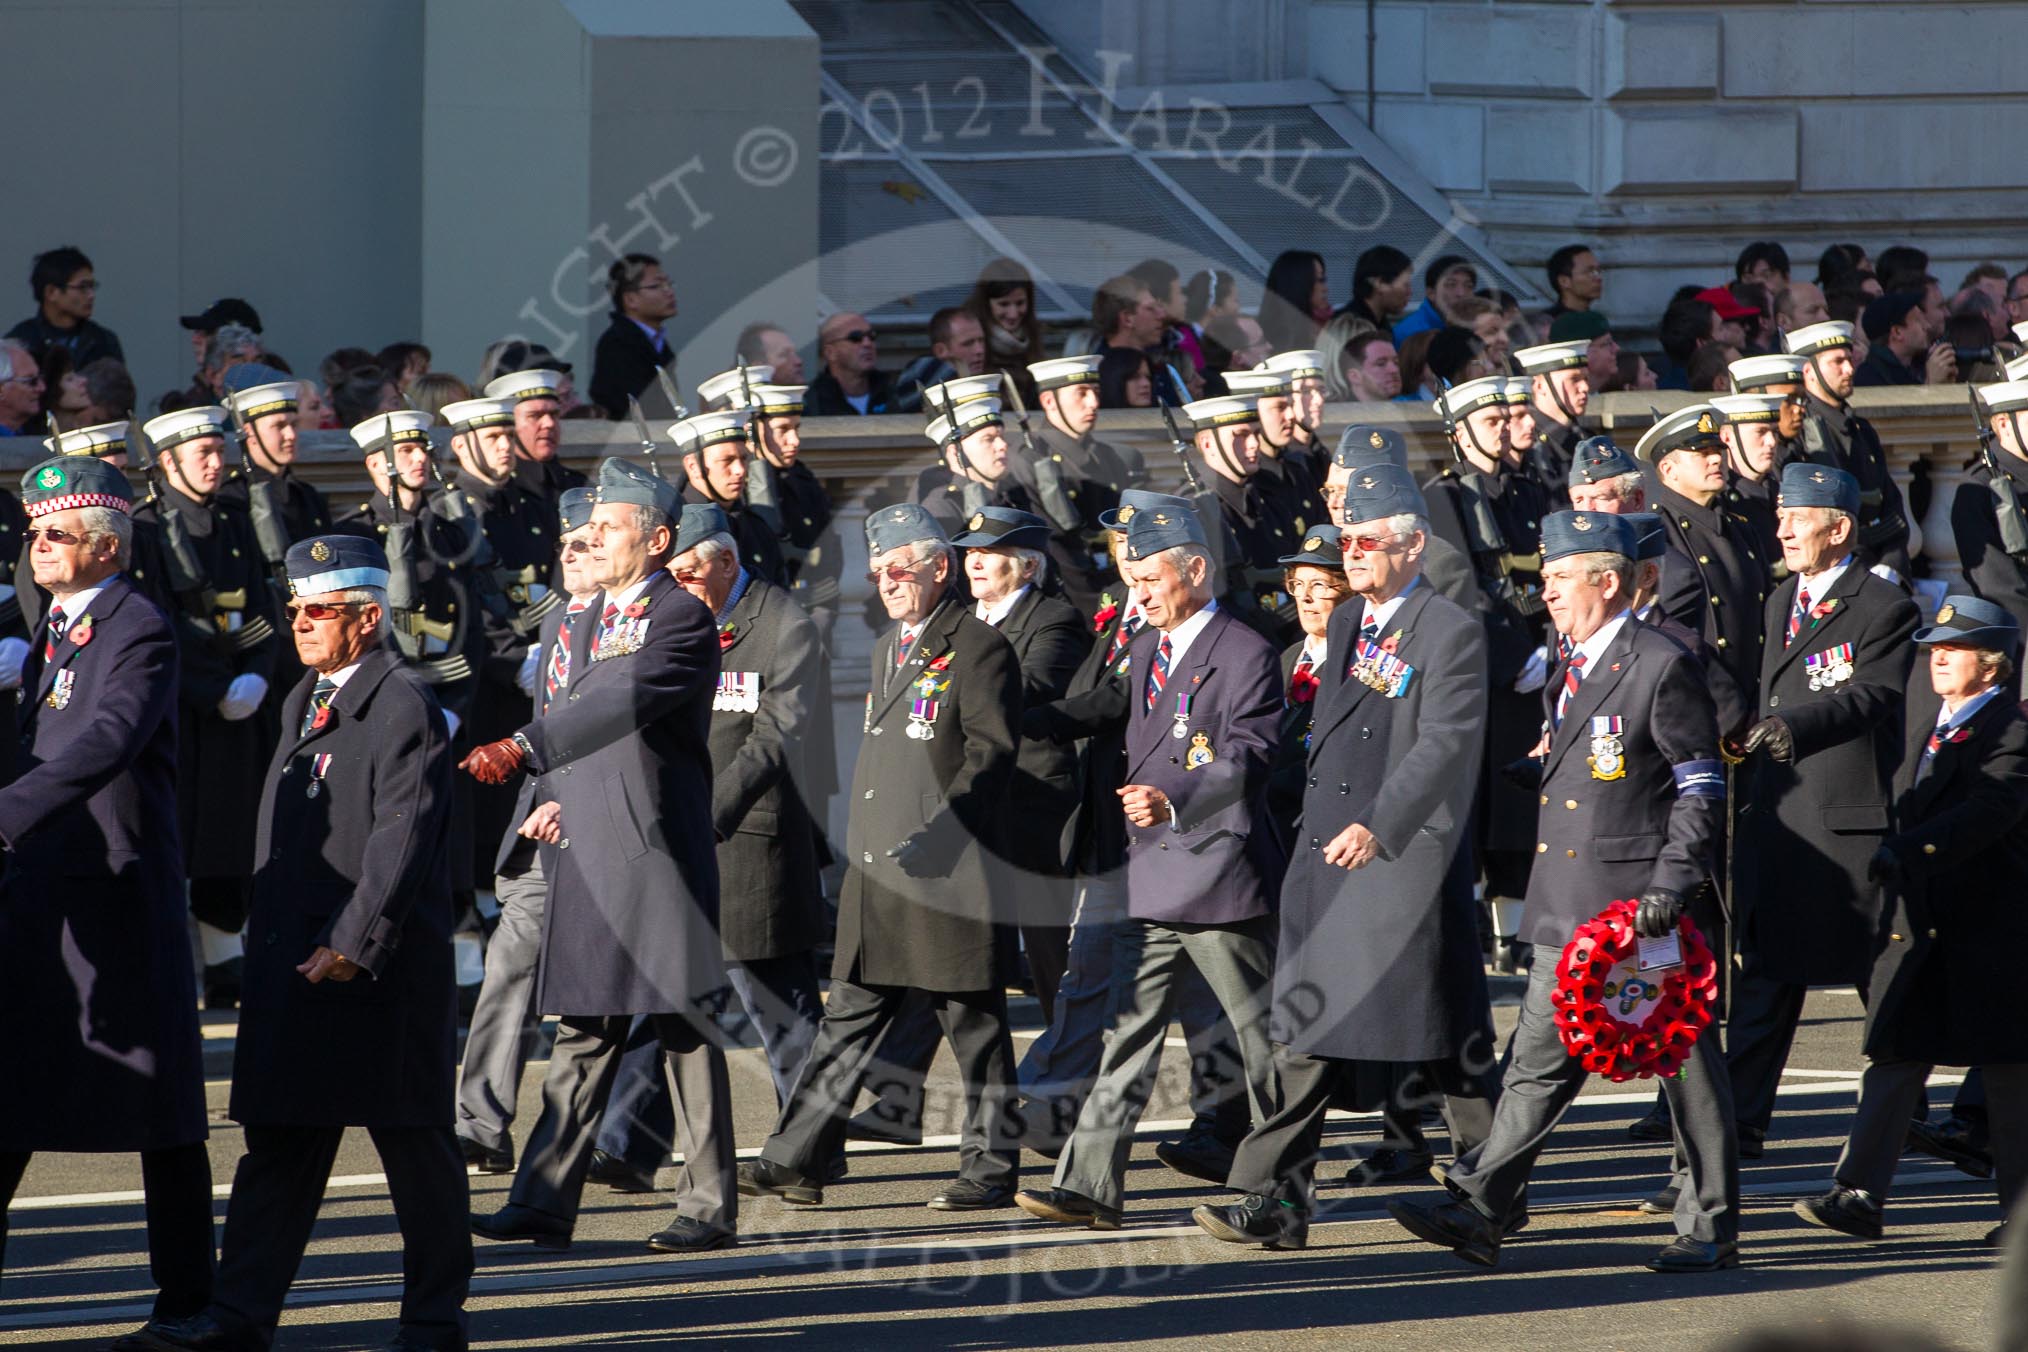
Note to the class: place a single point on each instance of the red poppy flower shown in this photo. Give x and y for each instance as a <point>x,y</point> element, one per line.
<point>725,637</point>
<point>1622,1023</point>
<point>323,716</point>
<point>1302,686</point>
<point>636,610</point>
<point>941,663</point>
<point>1103,618</point>
<point>81,632</point>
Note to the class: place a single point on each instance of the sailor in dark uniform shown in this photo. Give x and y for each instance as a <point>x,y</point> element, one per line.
<point>1832,434</point>
<point>1559,391</point>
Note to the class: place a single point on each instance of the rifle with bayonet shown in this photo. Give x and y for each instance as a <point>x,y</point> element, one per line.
<point>760,486</point>
<point>2006,498</point>
<point>1182,449</point>
<point>271,529</point>
<point>972,495</point>
<point>1052,490</point>
<point>1488,543</point>
<point>186,579</point>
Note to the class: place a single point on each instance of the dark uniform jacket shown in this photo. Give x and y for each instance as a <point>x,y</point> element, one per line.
<point>352,857</point>
<point>1990,571</point>
<point>96,986</point>
<point>624,363</point>
<point>943,494</point>
<point>449,644</point>
<point>1292,747</point>
<point>20,612</point>
<point>760,547</point>
<point>1714,548</point>
<point>1633,789</point>
<point>1050,641</point>
<point>946,932</point>
<point>1382,962</point>
<point>632,924</point>
<point>1095,839</point>
<point>305,511</point>
<point>218,762</point>
<point>810,551</point>
<point>1806,911</point>
<point>1094,474</point>
<point>1834,435</point>
<point>1549,458</point>
<point>1753,500</point>
<point>1219,862</point>
<point>517,852</point>
<point>771,707</point>
<point>1944,985</point>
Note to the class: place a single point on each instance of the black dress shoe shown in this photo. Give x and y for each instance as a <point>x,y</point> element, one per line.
<point>619,1175</point>
<point>765,1178</point>
<point>877,1124</point>
<point>221,984</point>
<point>1656,1126</point>
<point>1685,1254</point>
<point>1955,1142</point>
<point>1388,1166</point>
<point>968,1194</point>
<point>1846,1210</point>
<point>1458,1226</point>
<point>485,1158</point>
<point>1254,1219</point>
<point>1067,1208</point>
<point>685,1235</point>
<point>1662,1202</point>
<point>839,1167</point>
<point>1752,1143</point>
<point>1198,1154</point>
<point>512,1222</point>
<point>198,1333</point>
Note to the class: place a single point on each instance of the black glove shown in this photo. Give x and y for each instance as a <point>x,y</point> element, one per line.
<point>1884,867</point>
<point>912,858</point>
<point>1524,773</point>
<point>1772,736</point>
<point>1661,908</point>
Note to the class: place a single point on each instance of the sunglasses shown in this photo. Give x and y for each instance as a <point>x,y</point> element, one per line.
<point>566,548</point>
<point>896,572</point>
<point>318,610</point>
<point>1367,544</point>
<point>856,336</point>
<point>54,535</point>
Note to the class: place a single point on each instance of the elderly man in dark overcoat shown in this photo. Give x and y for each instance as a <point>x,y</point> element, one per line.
<point>921,911</point>
<point>96,989</point>
<point>632,921</point>
<point>1378,958</point>
<point>1819,780</point>
<point>350,1012</point>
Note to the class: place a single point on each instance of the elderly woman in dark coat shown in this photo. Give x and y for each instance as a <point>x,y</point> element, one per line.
<point>1956,865</point>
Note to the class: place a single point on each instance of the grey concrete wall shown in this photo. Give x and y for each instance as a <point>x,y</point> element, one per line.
<point>264,148</point>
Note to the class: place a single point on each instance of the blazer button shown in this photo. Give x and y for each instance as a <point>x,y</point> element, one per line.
<point>1174,761</point>
<point>1896,938</point>
<point>867,794</point>
<point>1929,934</point>
<point>1570,854</point>
<point>1703,558</point>
<point>1773,700</point>
<point>1365,734</point>
<point>1929,849</point>
<point>564,771</point>
<point>1721,641</point>
<point>1313,781</point>
<point>1570,804</point>
<point>1313,843</point>
<point>1545,800</point>
<point>1542,847</point>
<point>876,731</point>
<point>1344,788</point>
<point>866,857</point>
<point>1164,845</point>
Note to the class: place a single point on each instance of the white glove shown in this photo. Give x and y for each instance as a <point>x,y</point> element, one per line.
<point>451,721</point>
<point>1534,673</point>
<point>13,652</point>
<point>531,666</point>
<point>242,697</point>
<point>1885,574</point>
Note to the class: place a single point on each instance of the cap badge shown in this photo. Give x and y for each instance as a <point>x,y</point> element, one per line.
<point>1704,423</point>
<point>1945,615</point>
<point>1313,544</point>
<point>899,515</point>
<point>321,552</point>
<point>978,521</point>
<point>1161,518</point>
<point>1369,483</point>
<point>1580,522</point>
<point>1818,477</point>
<point>1127,514</point>
<point>50,477</point>
<point>1376,441</point>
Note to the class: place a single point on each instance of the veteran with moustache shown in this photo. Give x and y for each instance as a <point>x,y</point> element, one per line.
<point>1378,959</point>
<point>1633,805</point>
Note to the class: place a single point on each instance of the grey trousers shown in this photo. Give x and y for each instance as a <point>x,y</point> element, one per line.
<point>502,1034</point>
<point>1237,962</point>
<point>1888,1093</point>
<point>1542,1080</point>
<point>582,1068</point>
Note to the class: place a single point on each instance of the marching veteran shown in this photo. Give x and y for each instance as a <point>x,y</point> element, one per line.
<point>96,988</point>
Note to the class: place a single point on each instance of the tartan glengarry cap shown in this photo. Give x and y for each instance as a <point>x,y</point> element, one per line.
<point>1567,533</point>
<point>624,482</point>
<point>1809,485</point>
<point>334,563</point>
<point>902,524</point>
<point>72,481</point>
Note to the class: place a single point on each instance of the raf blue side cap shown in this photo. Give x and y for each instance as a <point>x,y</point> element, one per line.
<point>575,507</point>
<point>1323,547</point>
<point>1973,622</point>
<point>1160,528</point>
<point>1362,445</point>
<point>1380,491</point>
<point>699,522</point>
<point>623,481</point>
<point>1807,485</point>
<point>1598,459</point>
<point>1650,540</point>
<point>1136,500</point>
<point>1567,533</point>
<point>1003,528</point>
<point>332,563</point>
<point>902,524</point>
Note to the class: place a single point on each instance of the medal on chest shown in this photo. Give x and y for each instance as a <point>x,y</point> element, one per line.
<point>1181,727</point>
<point>60,692</point>
<point>928,702</point>
<point>320,765</point>
<point>628,633</point>
<point>1608,759</point>
<point>1377,667</point>
<point>738,693</point>
<point>1829,668</point>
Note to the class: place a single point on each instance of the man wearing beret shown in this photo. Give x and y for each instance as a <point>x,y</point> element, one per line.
<point>631,926</point>
<point>1835,437</point>
<point>1818,781</point>
<point>197,558</point>
<point>350,1014</point>
<point>1633,805</point>
<point>96,988</point>
<point>1201,708</point>
<point>1378,958</point>
<point>501,1033</point>
<point>1944,985</point>
<point>920,912</point>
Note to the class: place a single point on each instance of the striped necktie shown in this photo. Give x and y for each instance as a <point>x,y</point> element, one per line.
<point>1573,677</point>
<point>321,696</point>
<point>1122,636</point>
<point>1797,613</point>
<point>559,658</point>
<point>57,621</point>
<point>1158,673</point>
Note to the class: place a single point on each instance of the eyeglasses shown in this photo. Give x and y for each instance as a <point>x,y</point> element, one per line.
<point>53,534</point>
<point>688,577</point>
<point>82,286</point>
<point>566,548</point>
<point>896,572</point>
<point>319,610</point>
<point>1313,591</point>
<point>33,378</point>
<point>856,336</point>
